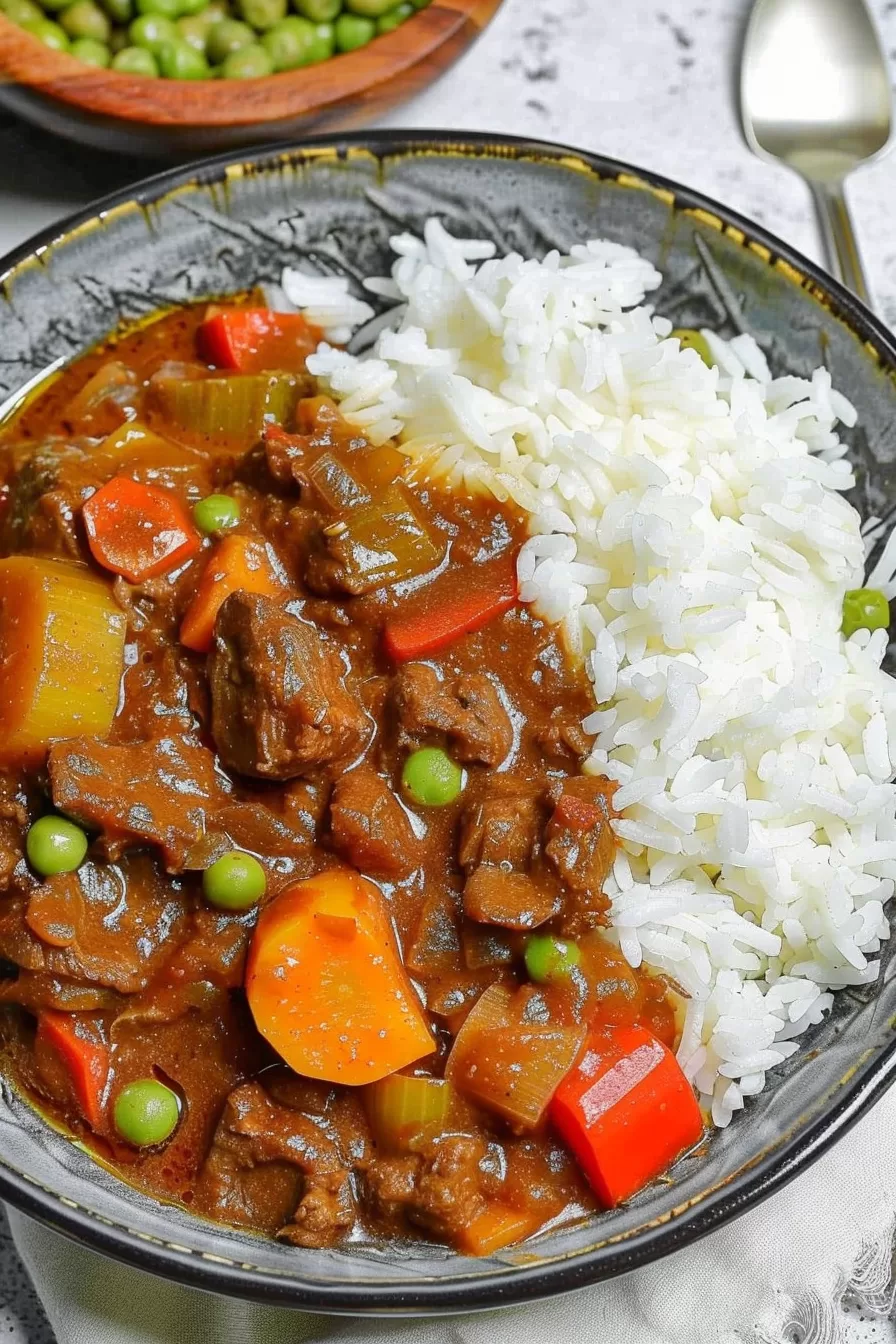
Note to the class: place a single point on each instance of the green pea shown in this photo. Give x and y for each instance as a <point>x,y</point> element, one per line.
<point>289,42</point>
<point>420,4</point>
<point>54,6</point>
<point>318,11</point>
<point>369,9</point>
<point>387,23</point>
<point>236,881</point>
<point>352,32</point>
<point>225,37</point>
<point>193,29</point>
<point>216,513</point>
<point>152,31</point>
<point>865,609</point>
<point>178,60</point>
<point>250,62</point>
<point>324,44</point>
<point>262,14</point>
<point>694,340</point>
<point>135,61</point>
<point>189,8</point>
<point>55,845</point>
<point>91,52</point>
<point>86,19</point>
<point>48,32</point>
<point>119,11</point>
<point>21,11</point>
<point>549,958</point>
<point>431,777</point>
<point>146,1113</point>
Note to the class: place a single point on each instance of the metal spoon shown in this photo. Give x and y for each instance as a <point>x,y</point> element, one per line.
<point>815,93</point>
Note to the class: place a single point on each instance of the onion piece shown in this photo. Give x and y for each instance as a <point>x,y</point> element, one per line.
<point>507,1064</point>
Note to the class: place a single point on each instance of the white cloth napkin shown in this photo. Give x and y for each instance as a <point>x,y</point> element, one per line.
<point>774,1276</point>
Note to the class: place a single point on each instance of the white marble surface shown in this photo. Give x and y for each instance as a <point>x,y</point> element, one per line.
<point>648,81</point>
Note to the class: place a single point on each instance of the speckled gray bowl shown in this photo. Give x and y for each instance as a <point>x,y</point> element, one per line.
<point>220,227</point>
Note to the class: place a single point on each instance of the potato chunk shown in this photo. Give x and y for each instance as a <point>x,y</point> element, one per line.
<point>61,656</point>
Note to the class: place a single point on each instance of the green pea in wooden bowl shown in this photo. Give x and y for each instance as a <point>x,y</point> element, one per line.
<point>167,117</point>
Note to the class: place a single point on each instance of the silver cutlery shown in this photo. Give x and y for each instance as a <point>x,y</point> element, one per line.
<point>815,95</point>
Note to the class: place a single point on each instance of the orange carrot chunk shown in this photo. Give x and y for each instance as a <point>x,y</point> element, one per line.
<point>626,1110</point>
<point>497,1227</point>
<point>254,340</point>
<point>138,531</point>
<point>236,565</point>
<point>85,1056</point>
<point>326,984</point>
<point>455,604</point>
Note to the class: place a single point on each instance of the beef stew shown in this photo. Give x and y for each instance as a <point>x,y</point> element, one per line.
<point>343,893</point>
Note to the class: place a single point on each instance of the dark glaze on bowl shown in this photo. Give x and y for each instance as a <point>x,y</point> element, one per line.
<point>219,228</point>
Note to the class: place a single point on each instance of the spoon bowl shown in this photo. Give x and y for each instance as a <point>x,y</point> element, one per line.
<point>815,95</point>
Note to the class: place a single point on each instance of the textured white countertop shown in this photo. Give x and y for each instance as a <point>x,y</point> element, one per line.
<point>648,81</point>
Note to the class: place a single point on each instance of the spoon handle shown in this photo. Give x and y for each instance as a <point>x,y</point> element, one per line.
<point>841,245</point>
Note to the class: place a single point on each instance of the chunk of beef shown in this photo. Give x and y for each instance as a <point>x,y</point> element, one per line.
<point>437,1189</point>
<point>280,707</point>
<point>14,818</point>
<point>285,850</point>
<point>47,486</point>
<point>36,990</point>
<point>271,1165</point>
<point>580,846</point>
<point>113,925</point>
<point>434,942</point>
<point>467,710</point>
<point>160,792</point>
<point>161,690</point>
<point>512,900</point>
<point>213,950</point>
<point>563,738</point>
<point>370,827</point>
<point>508,882</point>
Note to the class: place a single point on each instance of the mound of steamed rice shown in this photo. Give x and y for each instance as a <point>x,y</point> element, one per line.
<point>688,528</point>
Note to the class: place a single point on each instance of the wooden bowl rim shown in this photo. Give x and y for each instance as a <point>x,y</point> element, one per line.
<point>202,103</point>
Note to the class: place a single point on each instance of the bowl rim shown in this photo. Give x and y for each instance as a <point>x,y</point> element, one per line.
<point>443,26</point>
<point>782,1160</point>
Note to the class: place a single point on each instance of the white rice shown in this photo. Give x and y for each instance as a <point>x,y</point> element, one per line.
<point>687,527</point>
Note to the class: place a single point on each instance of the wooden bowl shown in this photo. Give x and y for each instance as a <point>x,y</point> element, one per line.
<point>161,117</point>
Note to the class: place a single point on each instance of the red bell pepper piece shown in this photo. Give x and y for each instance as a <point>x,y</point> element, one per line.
<point>86,1059</point>
<point>138,531</point>
<point>455,604</point>
<point>626,1110</point>
<point>254,340</point>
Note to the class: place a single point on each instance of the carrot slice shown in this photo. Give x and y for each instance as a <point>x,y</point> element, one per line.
<point>254,340</point>
<point>138,531</point>
<point>326,984</point>
<point>237,564</point>
<point>626,1110</point>
<point>497,1227</point>
<point>85,1056</point>
<point>455,604</point>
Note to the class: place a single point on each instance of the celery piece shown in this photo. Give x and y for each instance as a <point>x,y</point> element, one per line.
<point>381,543</point>
<point>233,408</point>
<point>401,1109</point>
<point>336,486</point>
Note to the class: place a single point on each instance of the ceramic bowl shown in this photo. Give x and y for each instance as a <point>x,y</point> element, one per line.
<point>230,222</point>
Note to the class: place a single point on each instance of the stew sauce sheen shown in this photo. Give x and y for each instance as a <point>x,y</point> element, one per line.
<point>208,753</point>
